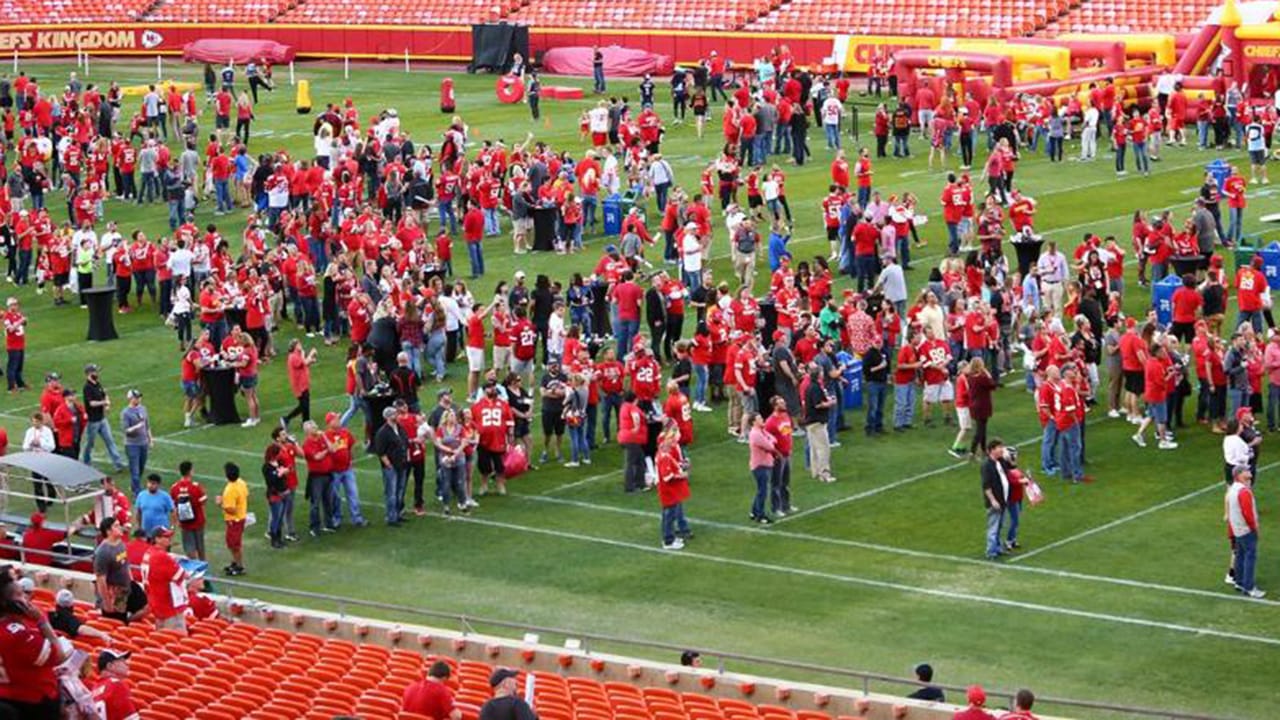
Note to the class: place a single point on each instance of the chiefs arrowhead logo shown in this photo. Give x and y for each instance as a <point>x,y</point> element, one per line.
<point>151,39</point>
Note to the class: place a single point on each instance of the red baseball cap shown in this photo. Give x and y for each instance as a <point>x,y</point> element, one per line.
<point>976,695</point>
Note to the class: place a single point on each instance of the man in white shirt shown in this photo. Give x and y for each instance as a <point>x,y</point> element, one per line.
<point>691,256</point>
<point>894,285</point>
<point>1089,134</point>
<point>1053,275</point>
<point>831,112</point>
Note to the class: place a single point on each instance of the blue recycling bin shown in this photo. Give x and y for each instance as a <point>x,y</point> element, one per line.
<point>612,206</point>
<point>1162,298</point>
<point>1271,264</point>
<point>852,380</point>
<point>1220,170</point>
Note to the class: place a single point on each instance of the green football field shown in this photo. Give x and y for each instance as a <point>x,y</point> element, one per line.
<point>1116,597</point>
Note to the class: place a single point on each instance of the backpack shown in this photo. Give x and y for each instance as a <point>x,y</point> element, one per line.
<point>394,188</point>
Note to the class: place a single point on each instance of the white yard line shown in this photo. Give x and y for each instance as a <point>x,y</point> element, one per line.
<point>904,552</point>
<point>883,584</point>
<point>899,483</point>
<point>1118,522</point>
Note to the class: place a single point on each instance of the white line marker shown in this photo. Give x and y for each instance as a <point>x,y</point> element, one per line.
<point>885,585</point>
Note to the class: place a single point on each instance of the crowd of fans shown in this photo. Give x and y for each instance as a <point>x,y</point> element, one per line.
<point>338,247</point>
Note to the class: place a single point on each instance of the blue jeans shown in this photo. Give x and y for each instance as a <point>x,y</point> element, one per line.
<point>393,486</point>
<point>1202,133</point>
<point>1253,317</point>
<point>627,331</point>
<point>137,466</point>
<point>14,362</point>
<point>994,518</point>
<point>345,488</point>
<point>453,484</point>
<point>99,428</point>
<point>953,238</point>
<point>904,404</point>
<point>875,393</point>
<point>610,403</point>
<point>1015,512</point>
<point>1235,224</point>
<point>320,496</point>
<point>1140,161</point>
<point>415,353</point>
<point>590,202</point>
<point>672,522</point>
<point>901,146</point>
<point>1049,449</point>
<point>762,476</point>
<point>1238,398</point>
<point>448,216</point>
<point>1070,461</point>
<point>867,268</point>
<point>491,226</point>
<point>597,76</point>
<point>692,280</point>
<point>1246,557</point>
<point>780,482</point>
<point>434,352</point>
<point>764,143</point>
<point>175,214</point>
<point>581,316</point>
<point>1273,405</point>
<point>476,255</point>
<point>222,190</point>
<point>700,384</point>
<point>834,419</point>
<point>356,403</point>
<point>833,135</point>
<point>579,449</point>
<point>782,141</point>
<point>275,522</point>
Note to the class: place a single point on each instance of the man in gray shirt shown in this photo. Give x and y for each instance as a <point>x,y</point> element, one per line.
<point>766,125</point>
<point>189,164</point>
<point>148,162</point>
<point>136,424</point>
<point>1206,228</point>
<point>111,575</point>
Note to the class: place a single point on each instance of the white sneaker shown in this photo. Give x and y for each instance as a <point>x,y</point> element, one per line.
<point>571,464</point>
<point>677,544</point>
<point>1135,420</point>
<point>247,423</point>
<point>1113,413</point>
<point>1139,441</point>
<point>471,503</point>
<point>187,422</point>
<point>1167,445</point>
<point>1229,580</point>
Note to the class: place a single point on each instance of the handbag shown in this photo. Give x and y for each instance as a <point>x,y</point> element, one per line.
<point>515,462</point>
<point>1035,495</point>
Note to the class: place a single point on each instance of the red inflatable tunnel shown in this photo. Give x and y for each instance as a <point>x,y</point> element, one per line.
<point>907,64</point>
<point>1110,53</point>
<point>509,88</point>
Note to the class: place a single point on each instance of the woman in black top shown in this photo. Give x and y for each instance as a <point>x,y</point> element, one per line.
<point>543,302</point>
<point>655,312</point>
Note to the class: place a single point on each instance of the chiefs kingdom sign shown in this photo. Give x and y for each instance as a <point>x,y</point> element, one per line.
<point>88,40</point>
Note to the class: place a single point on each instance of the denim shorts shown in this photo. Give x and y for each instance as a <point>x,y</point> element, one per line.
<point>1159,412</point>
<point>191,388</point>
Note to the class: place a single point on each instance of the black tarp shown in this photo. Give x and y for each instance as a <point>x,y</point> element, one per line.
<point>494,44</point>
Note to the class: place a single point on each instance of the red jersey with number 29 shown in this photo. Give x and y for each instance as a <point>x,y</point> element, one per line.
<point>493,419</point>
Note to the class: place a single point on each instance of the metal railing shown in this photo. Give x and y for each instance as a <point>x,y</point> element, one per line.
<point>748,664</point>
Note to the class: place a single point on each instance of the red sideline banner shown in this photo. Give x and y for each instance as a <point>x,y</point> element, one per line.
<point>389,42</point>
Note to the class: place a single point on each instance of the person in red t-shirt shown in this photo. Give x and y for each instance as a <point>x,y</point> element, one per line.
<point>317,451</point>
<point>1234,188</point>
<point>977,698</point>
<point>299,367</point>
<point>1186,303</point>
<point>494,423</point>
<point>431,695</point>
<point>29,651</point>
<point>1251,286</point>
<point>904,382</point>
<point>1157,369</point>
<point>473,234</point>
<point>111,693</point>
<point>15,344</point>
<point>189,499</point>
<point>342,474</point>
<point>166,583</point>
<point>1133,358</point>
<point>673,489</point>
<point>1022,703</point>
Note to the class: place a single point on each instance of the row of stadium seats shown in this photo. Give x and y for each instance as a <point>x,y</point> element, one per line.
<point>22,12</point>
<point>1001,18</point>
<point>417,12</point>
<point>1164,16</point>
<point>233,670</point>
<point>709,15</point>
<point>216,11</point>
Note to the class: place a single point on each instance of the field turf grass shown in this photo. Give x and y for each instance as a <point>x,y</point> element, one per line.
<point>1117,596</point>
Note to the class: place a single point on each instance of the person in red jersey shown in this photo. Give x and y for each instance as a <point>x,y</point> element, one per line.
<point>977,698</point>
<point>165,582</point>
<point>431,696</point>
<point>678,408</point>
<point>29,651</point>
<point>494,424</point>
<point>673,489</point>
<point>111,693</point>
<point>15,344</point>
